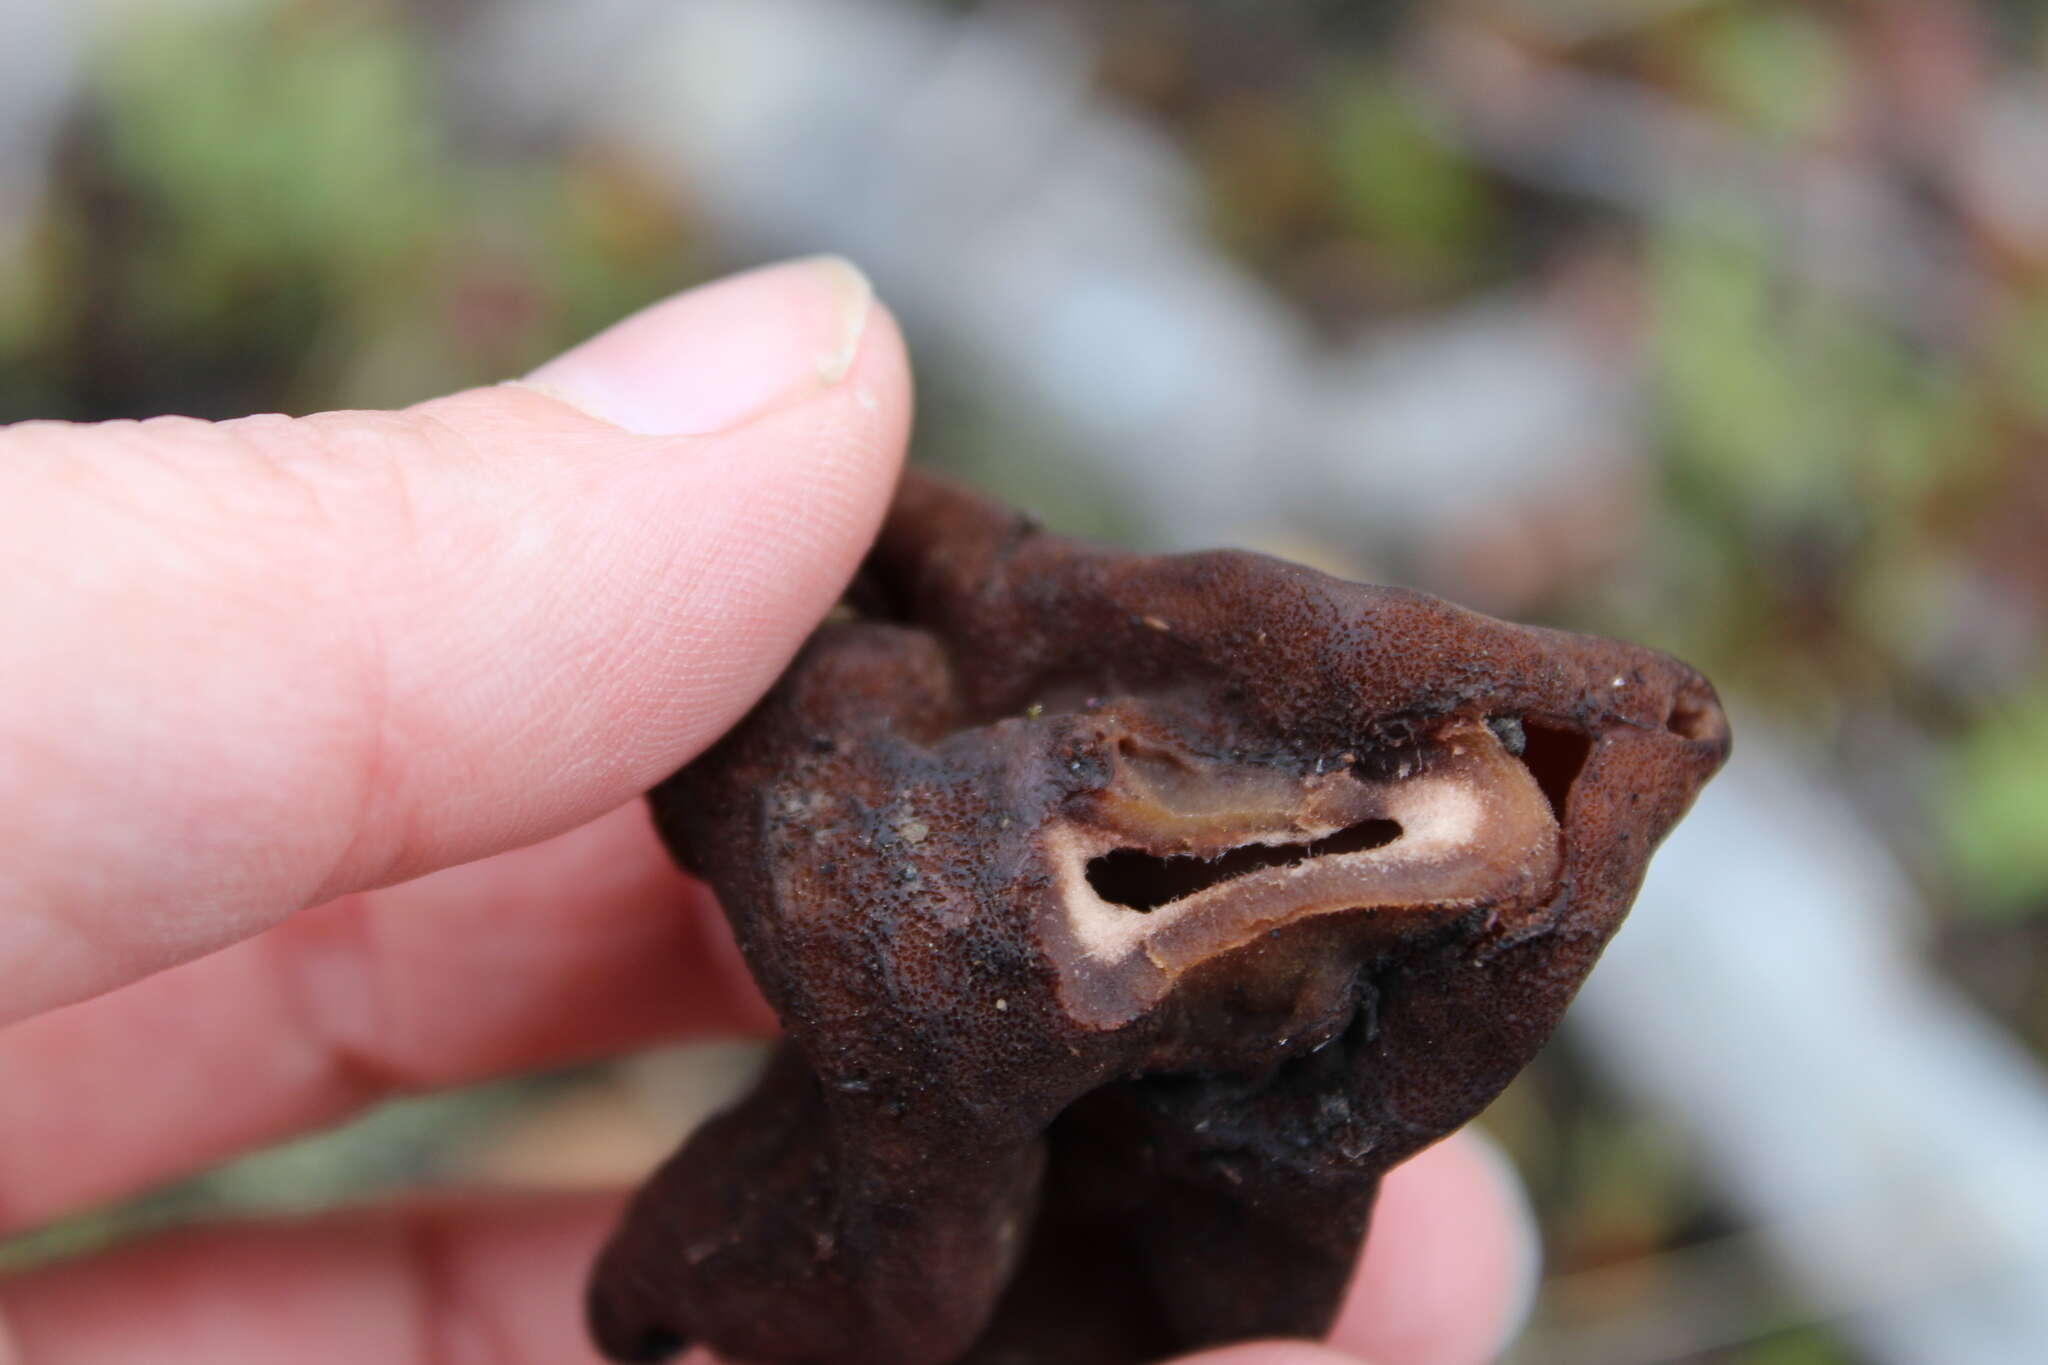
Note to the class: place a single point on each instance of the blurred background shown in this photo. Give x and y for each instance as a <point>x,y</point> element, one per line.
<point>1717,324</point>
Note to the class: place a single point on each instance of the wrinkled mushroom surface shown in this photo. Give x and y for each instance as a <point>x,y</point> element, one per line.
<point>1128,918</point>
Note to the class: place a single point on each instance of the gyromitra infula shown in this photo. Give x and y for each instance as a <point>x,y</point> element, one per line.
<point>1128,918</point>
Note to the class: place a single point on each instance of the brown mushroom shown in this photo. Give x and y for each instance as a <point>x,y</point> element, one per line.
<point>1128,918</point>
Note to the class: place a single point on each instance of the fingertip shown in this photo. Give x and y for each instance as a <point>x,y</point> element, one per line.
<point>1524,1270</point>
<point>1451,1266</point>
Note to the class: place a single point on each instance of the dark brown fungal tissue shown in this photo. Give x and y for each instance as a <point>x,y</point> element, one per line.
<point>1128,918</point>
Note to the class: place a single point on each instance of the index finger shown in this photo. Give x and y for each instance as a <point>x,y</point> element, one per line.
<point>589,944</point>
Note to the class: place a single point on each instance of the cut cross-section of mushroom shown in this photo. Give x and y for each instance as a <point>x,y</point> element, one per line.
<point>1182,859</point>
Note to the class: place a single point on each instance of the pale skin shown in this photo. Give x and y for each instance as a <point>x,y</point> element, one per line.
<point>320,743</point>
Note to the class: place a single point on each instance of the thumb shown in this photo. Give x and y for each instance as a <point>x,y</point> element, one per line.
<point>256,664</point>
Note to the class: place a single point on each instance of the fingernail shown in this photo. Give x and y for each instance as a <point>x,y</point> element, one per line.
<point>722,354</point>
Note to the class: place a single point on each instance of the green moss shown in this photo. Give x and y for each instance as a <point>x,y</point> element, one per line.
<point>1778,68</point>
<point>1398,184</point>
<point>1993,807</point>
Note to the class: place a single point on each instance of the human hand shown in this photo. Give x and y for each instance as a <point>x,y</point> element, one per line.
<point>319,744</point>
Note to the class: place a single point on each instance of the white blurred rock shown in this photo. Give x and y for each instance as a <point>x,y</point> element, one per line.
<point>1883,1136</point>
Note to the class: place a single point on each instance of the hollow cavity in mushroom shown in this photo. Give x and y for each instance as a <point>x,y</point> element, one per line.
<point>1143,881</point>
<point>1180,859</point>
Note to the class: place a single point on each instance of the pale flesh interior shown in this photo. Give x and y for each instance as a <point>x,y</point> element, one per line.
<point>1467,826</point>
